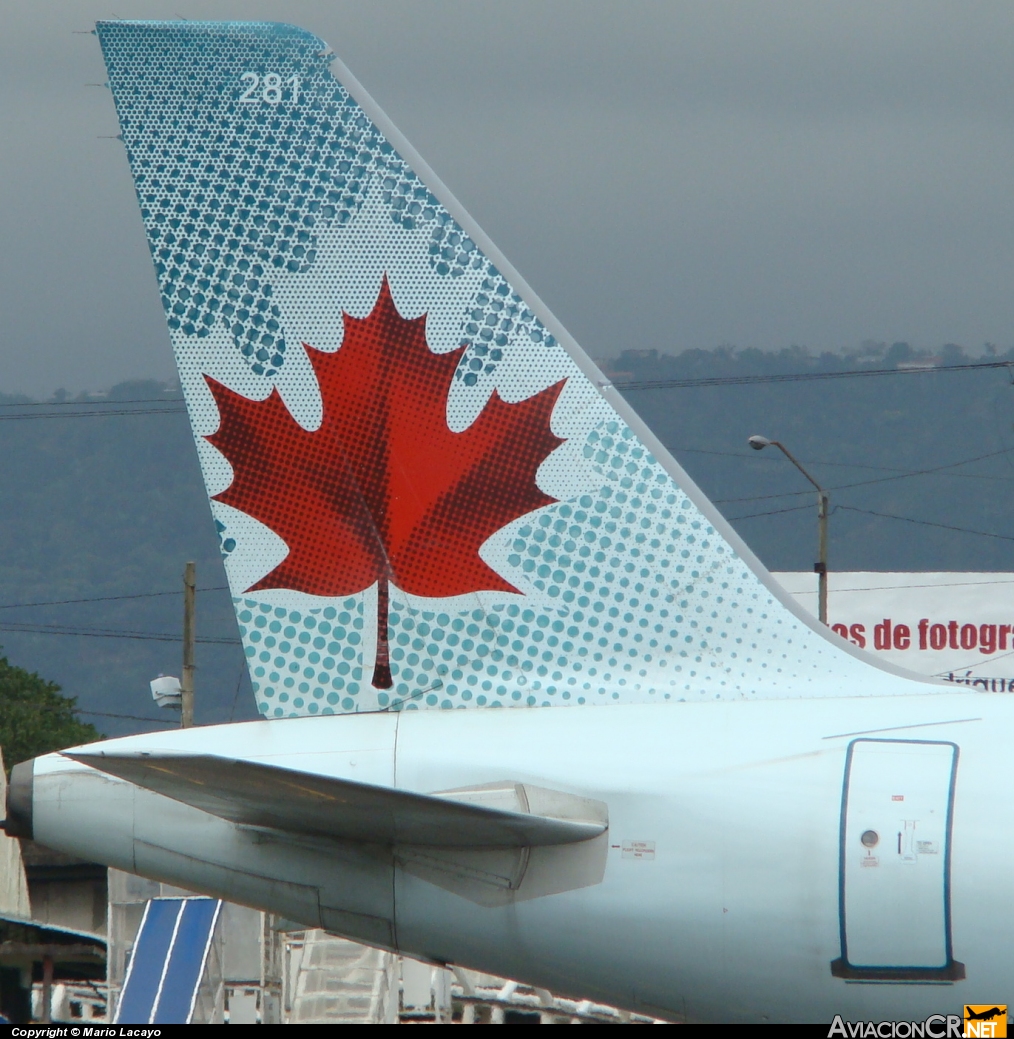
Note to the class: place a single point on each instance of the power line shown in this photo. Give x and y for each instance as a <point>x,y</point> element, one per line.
<point>90,402</point>
<point>880,479</point>
<point>129,717</point>
<point>749,380</point>
<point>906,587</point>
<point>239,684</point>
<point>976,663</point>
<point>938,469</point>
<point>109,633</point>
<point>95,414</point>
<point>867,483</point>
<point>840,465</point>
<point>105,598</point>
<point>773,512</point>
<point>926,523</point>
<point>882,515</point>
<point>743,454</point>
<point>631,387</point>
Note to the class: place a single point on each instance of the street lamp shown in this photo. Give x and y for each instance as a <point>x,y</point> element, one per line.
<point>758,443</point>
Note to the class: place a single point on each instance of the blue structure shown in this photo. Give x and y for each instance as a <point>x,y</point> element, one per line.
<point>168,960</point>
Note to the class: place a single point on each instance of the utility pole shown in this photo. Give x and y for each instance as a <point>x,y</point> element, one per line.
<point>187,684</point>
<point>758,443</point>
<point>821,565</point>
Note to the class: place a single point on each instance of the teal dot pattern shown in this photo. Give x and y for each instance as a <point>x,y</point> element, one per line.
<point>235,196</point>
<point>626,591</point>
<point>634,598</point>
<point>303,663</point>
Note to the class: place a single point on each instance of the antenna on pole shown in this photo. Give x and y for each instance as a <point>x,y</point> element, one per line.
<point>187,683</point>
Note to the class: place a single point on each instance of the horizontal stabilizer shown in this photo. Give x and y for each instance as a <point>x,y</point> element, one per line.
<point>500,815</point>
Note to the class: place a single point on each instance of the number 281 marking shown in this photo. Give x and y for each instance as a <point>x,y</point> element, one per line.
<point>270,88</point>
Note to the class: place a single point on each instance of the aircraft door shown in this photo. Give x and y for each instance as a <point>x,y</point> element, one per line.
<point>894,879</point>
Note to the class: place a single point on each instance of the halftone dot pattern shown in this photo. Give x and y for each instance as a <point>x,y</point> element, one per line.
<point>384,489</point>
<point>285,229</point>
<point>234,190</point>
<point>303,664</point>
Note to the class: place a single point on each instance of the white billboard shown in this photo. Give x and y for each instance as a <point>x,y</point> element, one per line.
<point>954,626</point>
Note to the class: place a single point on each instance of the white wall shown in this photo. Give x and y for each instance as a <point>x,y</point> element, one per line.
<point>950,625</point>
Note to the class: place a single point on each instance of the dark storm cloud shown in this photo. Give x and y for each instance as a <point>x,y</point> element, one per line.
<point>665,174</point>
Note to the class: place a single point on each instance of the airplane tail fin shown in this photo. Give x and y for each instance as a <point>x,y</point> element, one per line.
<point>427,495</point>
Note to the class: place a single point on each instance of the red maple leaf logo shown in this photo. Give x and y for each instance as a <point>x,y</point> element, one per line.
<point>384,491</point>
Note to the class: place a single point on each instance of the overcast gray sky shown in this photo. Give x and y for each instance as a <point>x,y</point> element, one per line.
<point>665,174</point>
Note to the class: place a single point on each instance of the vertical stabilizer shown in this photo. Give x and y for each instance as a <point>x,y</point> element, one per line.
<point>427,495</point>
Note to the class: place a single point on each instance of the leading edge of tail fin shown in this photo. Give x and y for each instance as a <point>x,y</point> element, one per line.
<point>427,495</point>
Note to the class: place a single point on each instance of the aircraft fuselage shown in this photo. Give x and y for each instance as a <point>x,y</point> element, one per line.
<point>738,859</point>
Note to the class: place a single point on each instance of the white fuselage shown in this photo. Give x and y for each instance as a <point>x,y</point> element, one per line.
<point>722,894</point>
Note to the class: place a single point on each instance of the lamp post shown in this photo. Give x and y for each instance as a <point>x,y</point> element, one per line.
<point>758,443</point>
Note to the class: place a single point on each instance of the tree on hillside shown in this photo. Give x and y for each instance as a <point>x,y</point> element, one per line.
<point>34,718</point>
